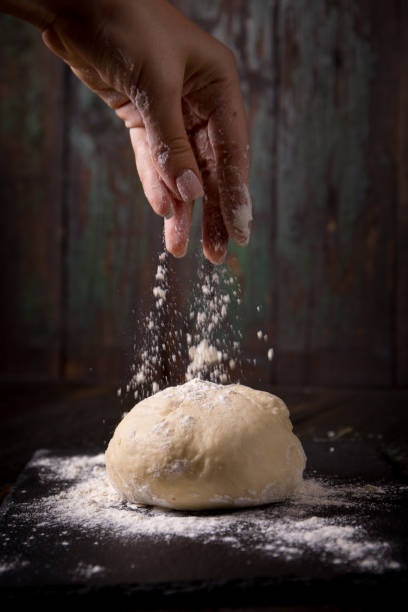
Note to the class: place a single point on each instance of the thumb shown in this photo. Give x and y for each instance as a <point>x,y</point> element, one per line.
<point>169,146</point>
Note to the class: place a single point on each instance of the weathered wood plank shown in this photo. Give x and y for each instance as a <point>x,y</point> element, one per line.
<point>336,191</point>
<point>326,89</point>
<point>401,255</point>
<point>113,237</point>
<point>30,192</point>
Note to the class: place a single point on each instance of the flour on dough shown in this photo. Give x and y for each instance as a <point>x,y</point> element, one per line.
<point>203,445</point>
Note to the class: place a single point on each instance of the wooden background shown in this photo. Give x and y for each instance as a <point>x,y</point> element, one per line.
<point>326,88</point>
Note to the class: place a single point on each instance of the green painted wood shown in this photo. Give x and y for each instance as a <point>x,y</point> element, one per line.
<point>401,252</point>
<point>30,192</point>
<point>325,85</point>
<point>336,191</point>
<point>112,241</point>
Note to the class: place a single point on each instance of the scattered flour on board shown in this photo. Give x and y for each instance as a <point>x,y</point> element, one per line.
<point>87,571</point>
<point>209,343</point>
<point>87,501</point>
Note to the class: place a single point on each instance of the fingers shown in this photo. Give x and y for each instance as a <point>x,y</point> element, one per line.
<point>171,177</point>
<point>215,235</point>
<point>214,232</point>
<point>228,135</point>
<point>168,142</point>
<point>129,115</point>
<point>165,161</point>
<point>156,192</point>
<point>177,228</point>
<point>178,214</point>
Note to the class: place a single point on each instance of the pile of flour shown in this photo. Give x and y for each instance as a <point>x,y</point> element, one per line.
<point>287,530</point>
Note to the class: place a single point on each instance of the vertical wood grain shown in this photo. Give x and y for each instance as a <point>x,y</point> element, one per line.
<point>326,90</point>
<point>113,239</point>
<point>401,254</point>
<point>336,192</point>
<point>30,192</point>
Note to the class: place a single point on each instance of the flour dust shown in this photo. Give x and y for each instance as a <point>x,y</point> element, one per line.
<point>203,340</point>
<point>329,521</point>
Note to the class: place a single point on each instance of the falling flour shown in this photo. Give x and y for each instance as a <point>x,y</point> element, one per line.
<point>202,343</point>
<point>86,501</point>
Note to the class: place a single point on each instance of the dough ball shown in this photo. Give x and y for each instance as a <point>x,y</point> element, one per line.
<point>202,445</point>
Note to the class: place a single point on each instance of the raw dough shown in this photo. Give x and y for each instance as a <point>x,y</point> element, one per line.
<point>202,445</point>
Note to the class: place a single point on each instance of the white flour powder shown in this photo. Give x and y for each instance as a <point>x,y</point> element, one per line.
<point>202,343</point>
<point>286,530</point>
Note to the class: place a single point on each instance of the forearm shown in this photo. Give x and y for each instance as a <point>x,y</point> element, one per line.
<point>41,13</point>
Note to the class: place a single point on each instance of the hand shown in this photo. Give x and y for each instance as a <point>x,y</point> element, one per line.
<point>177,90</point>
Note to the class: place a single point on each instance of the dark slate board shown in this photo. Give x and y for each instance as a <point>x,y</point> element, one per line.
<point>179,572</point>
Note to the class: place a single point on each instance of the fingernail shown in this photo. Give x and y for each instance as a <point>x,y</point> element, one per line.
<point>189,186</point>
<point>242,217</point>
<point>170,212</point>
<point>183,252</point>
<point>219,252</point>
<point>220,258</point>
